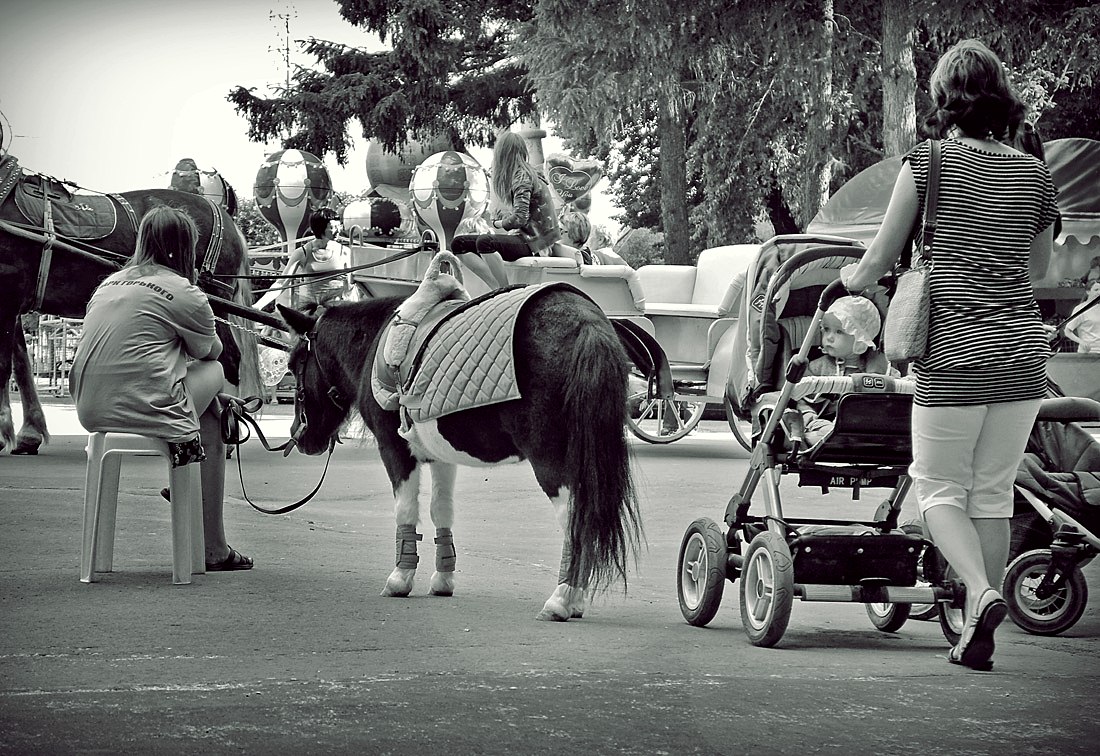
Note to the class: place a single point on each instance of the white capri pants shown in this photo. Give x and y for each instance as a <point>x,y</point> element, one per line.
<point>967,456</point>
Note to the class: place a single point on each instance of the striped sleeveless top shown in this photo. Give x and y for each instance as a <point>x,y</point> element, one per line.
<point>986,342</point>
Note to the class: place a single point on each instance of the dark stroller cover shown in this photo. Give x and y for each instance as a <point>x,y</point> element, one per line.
<point>1061,466</point>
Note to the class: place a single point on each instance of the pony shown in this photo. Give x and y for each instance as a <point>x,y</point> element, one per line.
<point>571,371</point>
<point>60,280</point>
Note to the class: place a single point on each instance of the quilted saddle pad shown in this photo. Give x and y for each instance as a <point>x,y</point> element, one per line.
<point>468,361</point>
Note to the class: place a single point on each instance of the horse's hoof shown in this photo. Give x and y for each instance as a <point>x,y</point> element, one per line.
<point>399,583</point>
<point>577,614</point>
<point>443,584</point>
<point>27,449</point>
<point>549,616</point>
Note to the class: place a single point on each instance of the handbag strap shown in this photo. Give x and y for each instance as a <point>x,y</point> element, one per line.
<point>931,199</point>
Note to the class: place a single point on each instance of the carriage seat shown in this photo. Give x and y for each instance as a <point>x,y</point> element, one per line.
<point>691,306</point>
<point>615,288</point>
<point>710,288</point>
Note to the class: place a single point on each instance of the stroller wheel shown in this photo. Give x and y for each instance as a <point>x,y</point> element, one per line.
<point>888,617</point>
<point>952,615</point>
<point>1047,615</point>
<point>767,589</point>
<point>701,571</point>
<point>919,611</point>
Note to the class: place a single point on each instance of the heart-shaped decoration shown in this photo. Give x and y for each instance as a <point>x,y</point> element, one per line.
<point>571,179</point>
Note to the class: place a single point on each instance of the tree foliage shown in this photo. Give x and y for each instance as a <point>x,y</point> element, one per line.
<point>258,231</point>
<point>451,70</point>
<point>759,110</point>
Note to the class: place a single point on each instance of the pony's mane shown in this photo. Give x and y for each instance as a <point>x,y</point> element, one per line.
<point>351,327</point>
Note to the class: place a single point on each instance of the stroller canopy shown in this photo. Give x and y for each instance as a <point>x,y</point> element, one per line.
<point>856,210</point>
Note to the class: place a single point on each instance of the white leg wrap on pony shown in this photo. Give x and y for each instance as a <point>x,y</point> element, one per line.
<point>400,581</point>
<point>443,582</point>
<point>443,515</point>
<point>566,602</point>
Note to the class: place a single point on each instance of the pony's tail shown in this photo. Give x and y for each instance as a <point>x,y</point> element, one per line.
<point>604,529</point>
<point>251,382</point>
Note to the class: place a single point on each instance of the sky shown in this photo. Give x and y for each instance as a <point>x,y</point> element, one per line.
<point>111,94</point>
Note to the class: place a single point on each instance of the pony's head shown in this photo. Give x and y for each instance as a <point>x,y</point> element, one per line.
<point>321,404</point>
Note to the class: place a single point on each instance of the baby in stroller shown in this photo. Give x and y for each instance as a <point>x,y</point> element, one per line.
<point>848,332</point>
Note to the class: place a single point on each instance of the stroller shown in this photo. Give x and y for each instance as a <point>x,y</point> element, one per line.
<point>1056,522</point>
<point>778,558</point>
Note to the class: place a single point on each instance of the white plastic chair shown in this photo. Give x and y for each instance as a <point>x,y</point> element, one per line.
<point>105,452</point>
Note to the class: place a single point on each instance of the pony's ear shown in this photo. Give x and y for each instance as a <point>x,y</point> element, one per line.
<point>300,323</point>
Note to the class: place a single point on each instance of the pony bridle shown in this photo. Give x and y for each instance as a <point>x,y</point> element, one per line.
<point>333,393</point>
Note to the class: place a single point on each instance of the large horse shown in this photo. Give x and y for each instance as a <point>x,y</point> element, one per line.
<point>569,421</point>
<point>56,274</point>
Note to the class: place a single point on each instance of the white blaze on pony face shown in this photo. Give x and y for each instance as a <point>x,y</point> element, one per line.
<point>428,445</point>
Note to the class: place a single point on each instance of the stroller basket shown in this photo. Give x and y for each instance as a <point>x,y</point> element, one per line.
<point>850,559</point>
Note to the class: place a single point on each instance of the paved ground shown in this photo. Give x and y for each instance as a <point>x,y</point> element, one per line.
<point>302,655</point>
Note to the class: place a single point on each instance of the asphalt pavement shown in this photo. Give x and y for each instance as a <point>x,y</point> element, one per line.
<point>302,656</point>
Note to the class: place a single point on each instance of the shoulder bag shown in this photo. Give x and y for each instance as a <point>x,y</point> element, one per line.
<point>905,335</point>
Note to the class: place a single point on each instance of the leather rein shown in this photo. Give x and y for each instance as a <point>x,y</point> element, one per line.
<point>237,419</point>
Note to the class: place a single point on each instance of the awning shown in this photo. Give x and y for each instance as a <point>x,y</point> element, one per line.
<point>1075,166</point>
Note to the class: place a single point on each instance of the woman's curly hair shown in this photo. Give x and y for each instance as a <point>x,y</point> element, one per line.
<point>970,89</point>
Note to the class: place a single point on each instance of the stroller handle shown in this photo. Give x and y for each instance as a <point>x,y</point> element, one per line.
<point>833,292</point>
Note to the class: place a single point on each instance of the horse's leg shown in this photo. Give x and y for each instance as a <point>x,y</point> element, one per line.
<point>8,323</point>
<point>567,601</point>
<point>443,516</point>
<point>406,513</point>
<point>33,432</point>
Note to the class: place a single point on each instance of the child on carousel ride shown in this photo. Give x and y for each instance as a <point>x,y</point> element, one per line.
<point>848,331</point>
<point>522,215</point>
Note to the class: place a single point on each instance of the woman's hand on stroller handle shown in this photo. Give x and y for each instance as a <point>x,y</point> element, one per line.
<point>846,274</point>
<point>833,292</point>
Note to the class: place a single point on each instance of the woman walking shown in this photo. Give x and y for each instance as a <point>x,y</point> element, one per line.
<point>983,375</point>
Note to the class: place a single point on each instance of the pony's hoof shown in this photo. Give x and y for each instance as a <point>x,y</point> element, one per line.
<point>400,583</point>
<point>443,584</point>
<point>577,614</point>
<point>550,616</point>
<point>552,612</point>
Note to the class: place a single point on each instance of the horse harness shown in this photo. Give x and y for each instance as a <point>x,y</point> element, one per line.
<point>332,392</point>
<point>61,217</point>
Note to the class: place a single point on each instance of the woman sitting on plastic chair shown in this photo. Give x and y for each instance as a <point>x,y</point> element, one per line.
<point>147,364</point>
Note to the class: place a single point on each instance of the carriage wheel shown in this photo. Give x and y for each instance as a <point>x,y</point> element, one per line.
<point>742,429</point>
<point>660,421</point>
<point>701,571</point>
<point>767,589</point>
<point>1043,616</point>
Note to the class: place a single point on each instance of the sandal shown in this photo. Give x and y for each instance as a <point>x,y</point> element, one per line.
<point>235,561</point>
<point>975,648</point>
<point>955,657</point>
